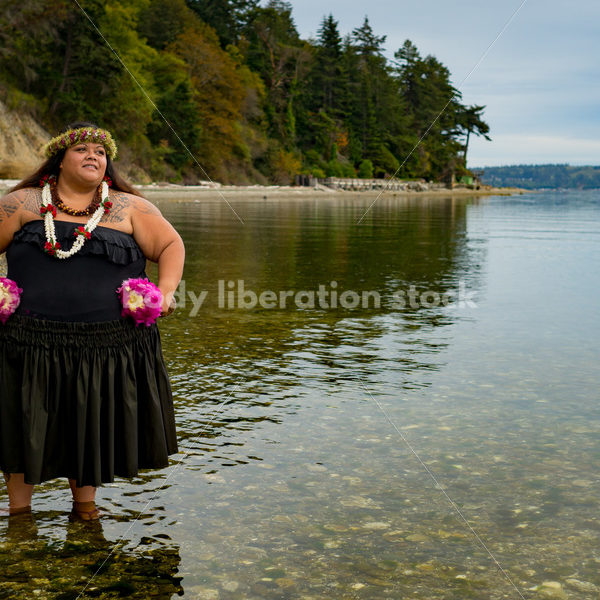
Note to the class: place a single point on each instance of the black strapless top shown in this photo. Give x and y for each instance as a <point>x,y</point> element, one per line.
<point>81,288</point>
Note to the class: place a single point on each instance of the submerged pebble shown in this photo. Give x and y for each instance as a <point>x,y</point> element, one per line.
<point>360,502</point>
<point>376,525</point>
<point>551,589</point>
<point>582,586</point>
<point>230,586</point>
<point>202,593</point>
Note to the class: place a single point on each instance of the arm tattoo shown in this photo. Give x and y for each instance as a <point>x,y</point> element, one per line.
<point>120,206</point>
<point>32,200</point>
<point>9,205</point>
<point>146,207</point>
<point>29,199</point>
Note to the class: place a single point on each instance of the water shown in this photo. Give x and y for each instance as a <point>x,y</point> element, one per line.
<point>443,444</point>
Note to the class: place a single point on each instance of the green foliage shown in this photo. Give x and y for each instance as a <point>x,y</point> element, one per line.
<point>162,21</point>
<point>218,93</point>
<point>334,169</point>
<point>365,170</point>
<point>249,98</point>
<point>284,165</point>
<point>174,127</point>
<point>387,163</point>
<point>329,79</point>
<point>276,52</point>
<point>226,17</point>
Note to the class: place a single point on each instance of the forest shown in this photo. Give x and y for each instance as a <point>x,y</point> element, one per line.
<point>228,90</point>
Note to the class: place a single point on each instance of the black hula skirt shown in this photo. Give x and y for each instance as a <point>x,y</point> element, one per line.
<point>88,401</point>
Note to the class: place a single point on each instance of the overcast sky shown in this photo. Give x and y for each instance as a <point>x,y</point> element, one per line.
<point>540,81</point>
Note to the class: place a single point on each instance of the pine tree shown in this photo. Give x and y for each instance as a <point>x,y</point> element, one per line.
<point>435,112</point>
<point>470,121</point>
<point>329,79</point>
<point>277,53</point>
<point>372,99</point>
<point>227,17</point>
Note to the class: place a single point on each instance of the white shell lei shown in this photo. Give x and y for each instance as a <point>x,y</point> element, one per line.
<point>89,226</point>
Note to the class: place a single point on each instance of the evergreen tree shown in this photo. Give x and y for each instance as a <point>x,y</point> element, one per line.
<point>373,99</point>
<point>329,79</point>
<point>470,121</point>
<point>434,110</point>
<point>369,45</point>
<point>321,106</point>
<point>227,17</point>
<point>276,52</point>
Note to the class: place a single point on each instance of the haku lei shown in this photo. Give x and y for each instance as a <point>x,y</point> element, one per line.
<point>83,134</point>
<point>82,233</point>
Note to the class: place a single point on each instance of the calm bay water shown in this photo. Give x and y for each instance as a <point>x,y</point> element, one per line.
<point>443,444</point>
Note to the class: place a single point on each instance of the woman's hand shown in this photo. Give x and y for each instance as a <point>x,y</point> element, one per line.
<point>169,304</point>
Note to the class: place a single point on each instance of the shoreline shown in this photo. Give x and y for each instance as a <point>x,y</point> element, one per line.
<point>212,190</point>
<point>274,191</point>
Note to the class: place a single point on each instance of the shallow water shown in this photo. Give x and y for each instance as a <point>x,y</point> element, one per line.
<point>447,448</point>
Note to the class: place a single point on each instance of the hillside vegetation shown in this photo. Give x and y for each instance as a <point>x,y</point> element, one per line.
<point>228,90</point>
<point>543,176</point>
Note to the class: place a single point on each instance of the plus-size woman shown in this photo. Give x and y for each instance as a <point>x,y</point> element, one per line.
<point>84,392</point>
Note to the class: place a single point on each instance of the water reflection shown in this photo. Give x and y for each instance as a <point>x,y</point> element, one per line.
<point>85,564</point>
<point>273,359</point>
<point>300,245</point>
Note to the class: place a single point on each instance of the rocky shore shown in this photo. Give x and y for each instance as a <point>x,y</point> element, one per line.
<point>212,190</point>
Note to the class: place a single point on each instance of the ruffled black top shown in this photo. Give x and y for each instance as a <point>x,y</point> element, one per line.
<point>81,288</point>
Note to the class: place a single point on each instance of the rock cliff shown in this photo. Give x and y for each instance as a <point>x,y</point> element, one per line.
<point>21,140</point>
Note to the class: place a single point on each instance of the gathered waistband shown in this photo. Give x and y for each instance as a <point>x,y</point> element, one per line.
<point>25,330</point>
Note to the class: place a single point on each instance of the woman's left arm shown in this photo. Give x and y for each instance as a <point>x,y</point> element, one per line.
<point>161,244</point>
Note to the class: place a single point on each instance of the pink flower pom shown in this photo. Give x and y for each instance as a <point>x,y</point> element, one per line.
<point>10,297</point>
<point>141,300</point>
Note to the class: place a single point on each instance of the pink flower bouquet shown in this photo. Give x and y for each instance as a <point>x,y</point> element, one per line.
<point>141,300</point>
<point>10,296</point>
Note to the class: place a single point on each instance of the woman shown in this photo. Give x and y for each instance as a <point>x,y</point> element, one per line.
<point>84,392</point>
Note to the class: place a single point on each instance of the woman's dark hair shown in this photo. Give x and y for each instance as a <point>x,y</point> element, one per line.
<point>51,166</point>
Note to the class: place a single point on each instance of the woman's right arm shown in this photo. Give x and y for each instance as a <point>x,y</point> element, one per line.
<point>13,210</point>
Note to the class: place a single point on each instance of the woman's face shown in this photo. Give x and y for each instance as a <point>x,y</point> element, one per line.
<point>84,162</point>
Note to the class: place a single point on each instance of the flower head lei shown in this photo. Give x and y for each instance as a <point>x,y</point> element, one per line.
<point>77,136</point>
<point>83,232</point>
